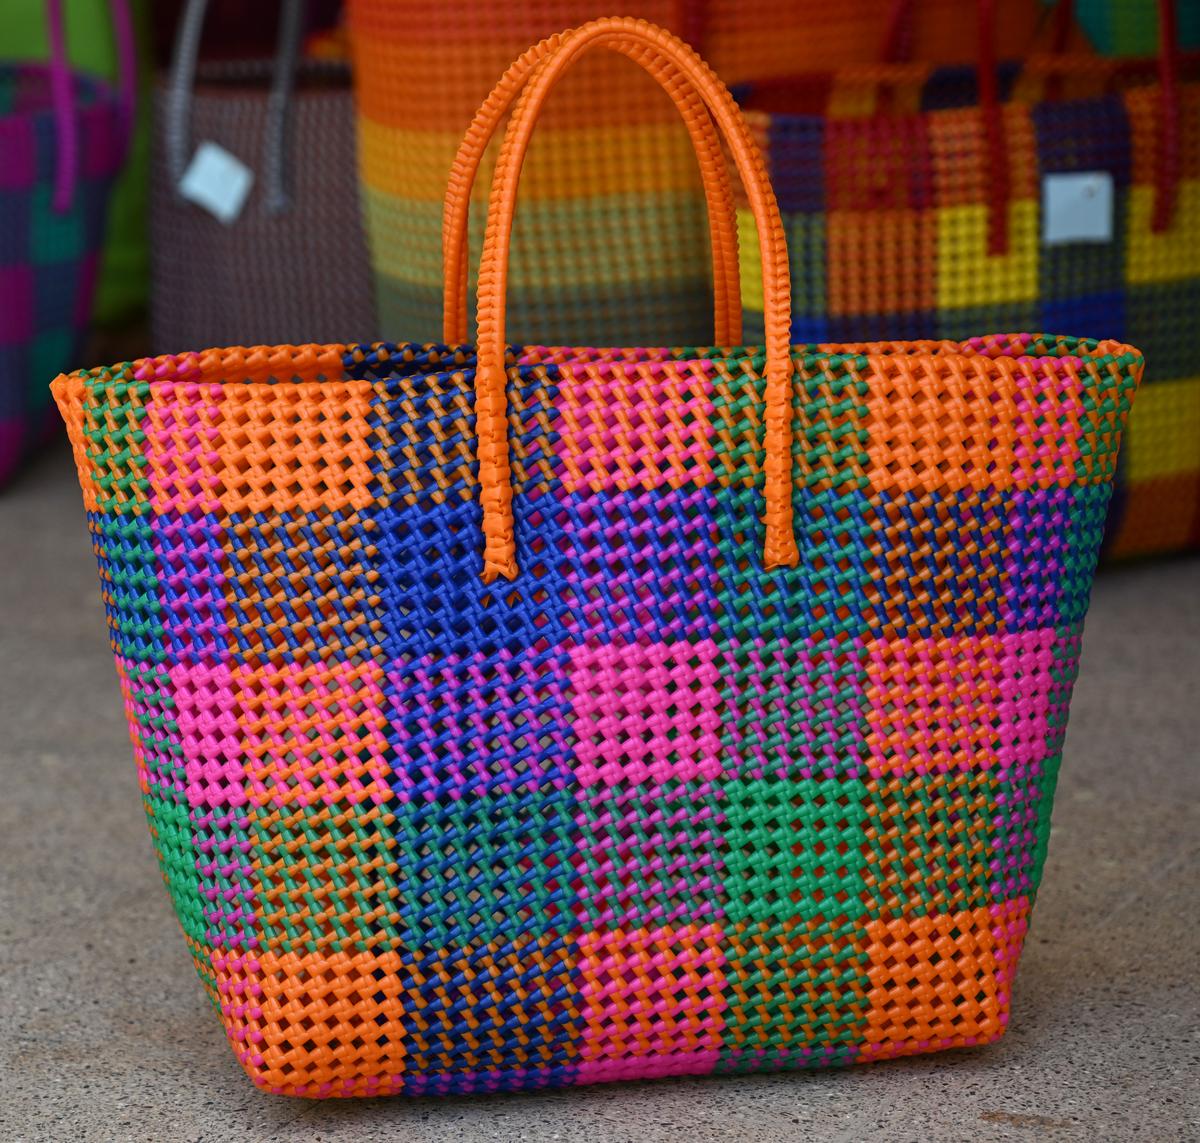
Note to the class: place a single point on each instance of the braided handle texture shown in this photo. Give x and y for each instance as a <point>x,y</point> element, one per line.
<point>722,216</point>
<point>491,375</point>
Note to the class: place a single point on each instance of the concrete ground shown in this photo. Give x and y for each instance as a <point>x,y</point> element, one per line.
<point>105,1033</point>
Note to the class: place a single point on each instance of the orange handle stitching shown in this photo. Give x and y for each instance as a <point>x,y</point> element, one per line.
<point>490,396</point>
<point>722,217</point>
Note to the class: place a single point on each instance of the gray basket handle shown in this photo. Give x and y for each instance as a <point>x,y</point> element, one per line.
<point>182,81</point>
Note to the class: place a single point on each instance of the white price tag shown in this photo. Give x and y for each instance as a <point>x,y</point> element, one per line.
<point>1077,207</point>
<point>217,181</point>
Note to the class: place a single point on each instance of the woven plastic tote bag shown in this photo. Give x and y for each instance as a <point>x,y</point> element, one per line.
<point>292,265</point>
<point>914,208</point>
<point>511,716</point>
<point>63,139</point>
<point>610,174</point>
<point>124,275</point>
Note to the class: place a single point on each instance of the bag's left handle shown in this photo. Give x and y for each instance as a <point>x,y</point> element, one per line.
<point>718,192</point>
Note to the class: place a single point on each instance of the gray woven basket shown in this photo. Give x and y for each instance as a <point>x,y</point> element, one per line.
<point>293,266</point>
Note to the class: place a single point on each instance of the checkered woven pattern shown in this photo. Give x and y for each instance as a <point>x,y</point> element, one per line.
<point>611,173</point>
<point>887,219</point>
<point>48,259</point>
<point>649,809</point>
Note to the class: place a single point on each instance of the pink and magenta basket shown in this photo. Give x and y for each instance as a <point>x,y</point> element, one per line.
<point>63,140</point>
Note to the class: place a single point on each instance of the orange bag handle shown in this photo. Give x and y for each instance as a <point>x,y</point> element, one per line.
<point>495,476</point>
<point>714,172</point>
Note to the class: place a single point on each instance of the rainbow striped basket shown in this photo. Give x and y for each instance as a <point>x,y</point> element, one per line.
<point>511,716</point>
<point>610,174</point>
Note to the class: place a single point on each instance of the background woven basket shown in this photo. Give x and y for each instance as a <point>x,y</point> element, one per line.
<point>49,254</point>
<point>610,246</point>
<point>296,273</point>
<point>888,222</point>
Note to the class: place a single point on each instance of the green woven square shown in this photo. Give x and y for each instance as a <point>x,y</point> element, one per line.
<point>930,841</point>
<point>171,828</point>
<point>115,431</point>
<point>55,237</point>
<point>129,567</point>
<point>793,850</point>
<point>797,995</point>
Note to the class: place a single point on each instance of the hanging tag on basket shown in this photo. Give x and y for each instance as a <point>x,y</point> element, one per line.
<point>217,181</point>
<point>1077,207</point>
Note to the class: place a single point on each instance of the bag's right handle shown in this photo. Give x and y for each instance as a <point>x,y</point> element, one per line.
<point>499,558</point>
<point>722,216</point>
<point>283,80</point>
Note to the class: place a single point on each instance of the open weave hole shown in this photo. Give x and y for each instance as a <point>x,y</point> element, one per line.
<point>648,809</point>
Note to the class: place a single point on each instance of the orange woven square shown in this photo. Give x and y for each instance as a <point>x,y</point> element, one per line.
<point>313,734</point>
<point>649,993</point>
<point>933,983</point>
<point>301,1021</point>
<point>877,261</point>
<point>959,154</point>
<point>278,450</point>
<point>974,424</point>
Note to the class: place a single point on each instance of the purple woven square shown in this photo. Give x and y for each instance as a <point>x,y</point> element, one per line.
<point>18,170</point>
<point>16,304</point>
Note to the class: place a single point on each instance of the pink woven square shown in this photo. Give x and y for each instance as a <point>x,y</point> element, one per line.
<point>928,696</point>
<point>206,712</point>
<point>652,1002</point>
<point>182,433</point>
<point>628,425</point>
<point>1047,436</point>
<point>804,698</point>
<point>647,712</point>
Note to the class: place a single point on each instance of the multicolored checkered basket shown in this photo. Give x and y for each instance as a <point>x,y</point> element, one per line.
<point>893,183</point>
<point>63,140</point>
<point>513,717</point>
